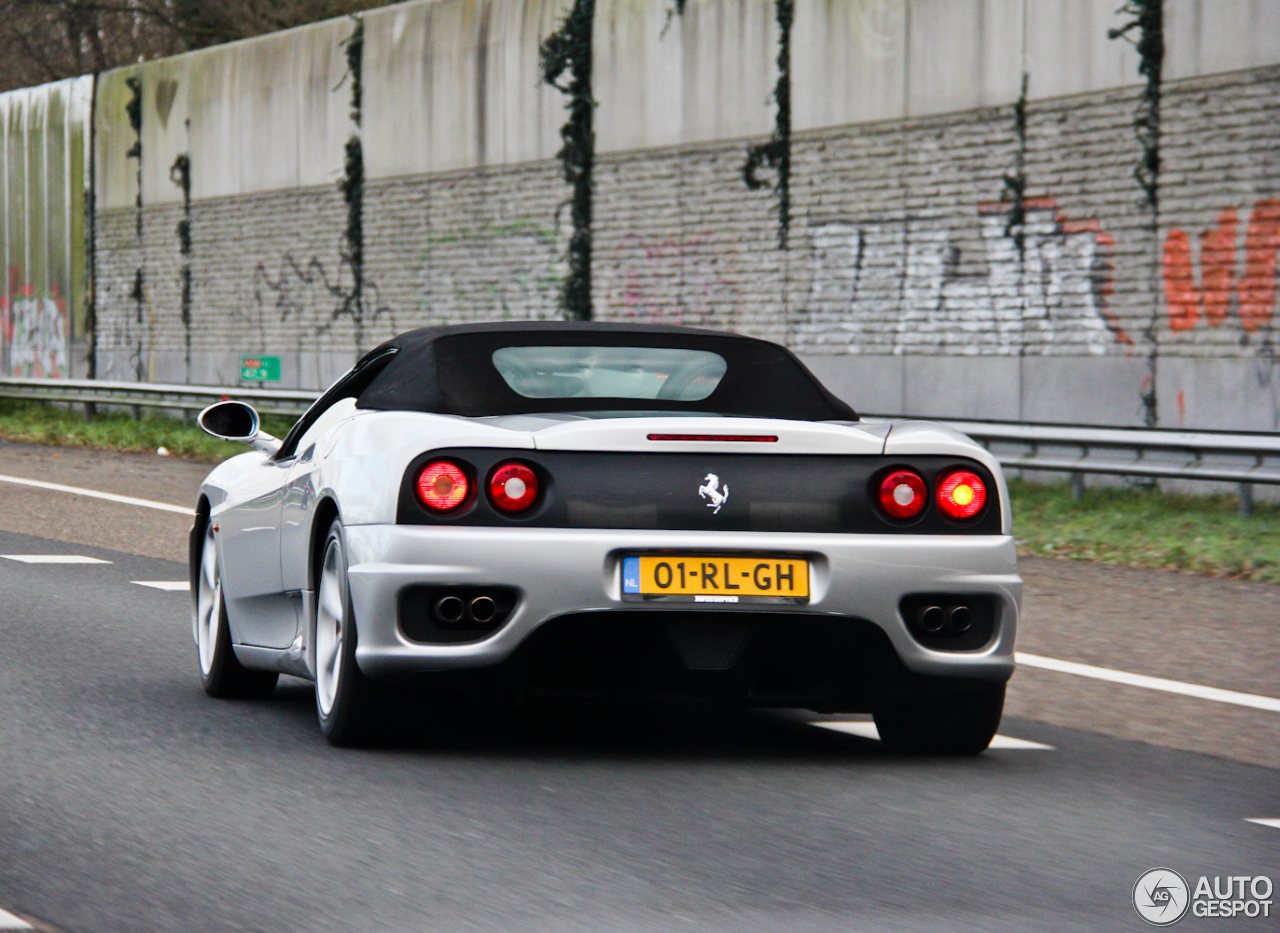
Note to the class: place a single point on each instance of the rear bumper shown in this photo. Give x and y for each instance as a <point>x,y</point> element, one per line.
<point>572,571</point>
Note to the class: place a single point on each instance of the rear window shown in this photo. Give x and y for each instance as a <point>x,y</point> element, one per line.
<point>610,372</point>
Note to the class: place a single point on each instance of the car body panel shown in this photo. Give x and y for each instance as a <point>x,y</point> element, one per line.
<point>271,516</point>
<point>246,510</point>
<point>566,570</point>
<point>632,434</point>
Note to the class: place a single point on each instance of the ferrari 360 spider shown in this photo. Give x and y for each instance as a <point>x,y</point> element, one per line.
<point>618,511</point>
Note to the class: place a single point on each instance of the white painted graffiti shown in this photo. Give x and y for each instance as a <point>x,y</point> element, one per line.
<point>35,331</point>
<point>895,287</point>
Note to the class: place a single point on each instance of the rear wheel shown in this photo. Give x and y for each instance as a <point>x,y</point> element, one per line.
<point>221,673</point>
<point>345,701</point>
<point>962,724</point>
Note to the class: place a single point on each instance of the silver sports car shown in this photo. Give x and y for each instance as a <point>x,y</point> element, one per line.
<point>607,510</point>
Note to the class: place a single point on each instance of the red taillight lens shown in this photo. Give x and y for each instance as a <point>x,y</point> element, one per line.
<point>442,485</point>
<point>961,494</point>
<point>902,494</point>
<point>513,487</point>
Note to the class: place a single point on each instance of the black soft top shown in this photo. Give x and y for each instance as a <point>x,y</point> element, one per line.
<point>450,370</point>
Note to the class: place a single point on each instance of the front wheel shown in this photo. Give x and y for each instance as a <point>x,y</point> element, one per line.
<point>345,699</point>
<point>221,673</point>
<point>961,724</point>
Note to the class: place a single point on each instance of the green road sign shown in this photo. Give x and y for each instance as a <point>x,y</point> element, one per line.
<point>260,368</point>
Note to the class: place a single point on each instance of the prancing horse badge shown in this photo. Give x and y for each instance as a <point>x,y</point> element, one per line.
<point>710,489</point>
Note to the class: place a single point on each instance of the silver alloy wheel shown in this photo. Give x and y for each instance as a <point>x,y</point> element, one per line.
<point>331,625</point>
<point>208,611</point>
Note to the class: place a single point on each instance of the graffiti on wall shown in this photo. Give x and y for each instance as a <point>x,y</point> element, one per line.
<point>505,272</point>
<point>305,294</point>
<point>901,287</point>
<point>35,329</point>
<point>1223,287</point>
<point>692,279</point>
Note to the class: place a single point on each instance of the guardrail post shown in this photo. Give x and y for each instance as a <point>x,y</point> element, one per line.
<point>1246,500</point>
<point>1077,486</point>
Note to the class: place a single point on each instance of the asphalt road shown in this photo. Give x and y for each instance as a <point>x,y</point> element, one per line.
<point>129,801</point>
<point>132,802</point>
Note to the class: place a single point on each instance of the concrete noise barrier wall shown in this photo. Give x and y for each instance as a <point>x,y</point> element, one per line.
<point>44,141</point>
<point>943,216</point>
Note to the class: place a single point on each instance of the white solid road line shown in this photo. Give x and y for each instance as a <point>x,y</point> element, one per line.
<point>867,730</point>
<point>1271,704</point>
<point>1274,824</point>
<point>9,922</point>
<point>170,586</point>
<point>54,559</point>
<point>95,494</point>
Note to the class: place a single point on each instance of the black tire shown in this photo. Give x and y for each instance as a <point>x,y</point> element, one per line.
<point>960,724</point>
<point>346,700</point>
<point>221,673</point>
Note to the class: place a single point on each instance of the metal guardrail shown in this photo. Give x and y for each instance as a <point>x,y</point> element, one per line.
<point>1214,456</point>
<point>155,395</point>
<point>1153,453</point>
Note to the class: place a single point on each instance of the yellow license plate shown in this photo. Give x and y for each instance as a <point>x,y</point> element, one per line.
<point>708,576</point>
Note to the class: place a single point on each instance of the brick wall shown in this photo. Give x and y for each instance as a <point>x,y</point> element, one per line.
<point>901,252</point>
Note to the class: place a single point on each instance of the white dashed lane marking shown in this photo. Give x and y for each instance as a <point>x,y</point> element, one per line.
<point>54,559</point>
<point>95,494</point>
<point>1270,704</point>
<point>171,586</point>
<point>867,730</point>
<point>9,922</point>
<point>1264,821</point>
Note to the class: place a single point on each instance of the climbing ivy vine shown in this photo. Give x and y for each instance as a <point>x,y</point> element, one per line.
<point>1015,181</point>
<point>1147,21</point>
<point>776,153</point>
<point>352,188</point>
<point>568,49</point>
<point>180,175</point>
<point>139,291</point>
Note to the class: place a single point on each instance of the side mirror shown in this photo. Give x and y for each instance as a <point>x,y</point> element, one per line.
<point>237,421</point>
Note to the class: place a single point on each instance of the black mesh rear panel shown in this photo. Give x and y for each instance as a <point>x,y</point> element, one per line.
<point>766,492</point>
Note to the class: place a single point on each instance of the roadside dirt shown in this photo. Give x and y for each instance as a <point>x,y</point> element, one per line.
<point>1165,623</point>
<point>80,520</point>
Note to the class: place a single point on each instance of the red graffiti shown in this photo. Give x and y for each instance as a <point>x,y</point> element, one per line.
<point>1187,303</point>
<point>716,300</point>
<point>1258,286</point>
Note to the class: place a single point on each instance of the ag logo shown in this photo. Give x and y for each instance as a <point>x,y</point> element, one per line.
<point>1161,897</point>
<point>710,489</point>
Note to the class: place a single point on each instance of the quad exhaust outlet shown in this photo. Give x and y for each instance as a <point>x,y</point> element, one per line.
<point>451,610</point>
<point>955,619</point>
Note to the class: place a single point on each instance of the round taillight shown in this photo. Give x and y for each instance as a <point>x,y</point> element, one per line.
<point>513,487</point>
<point>902,494</point>
<point>961,495</point>
<point>442,485</point>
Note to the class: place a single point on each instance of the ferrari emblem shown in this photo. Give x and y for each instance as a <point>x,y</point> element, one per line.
<point>710,489</point>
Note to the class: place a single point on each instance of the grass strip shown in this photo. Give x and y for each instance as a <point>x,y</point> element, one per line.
<point>1143,527</point>
<point>66,426</point>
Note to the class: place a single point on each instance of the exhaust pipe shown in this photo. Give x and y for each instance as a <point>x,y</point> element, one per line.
<point>961,618</point>
<point>482,609</point>
<point>932,618</point>
<point>448,609</point>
